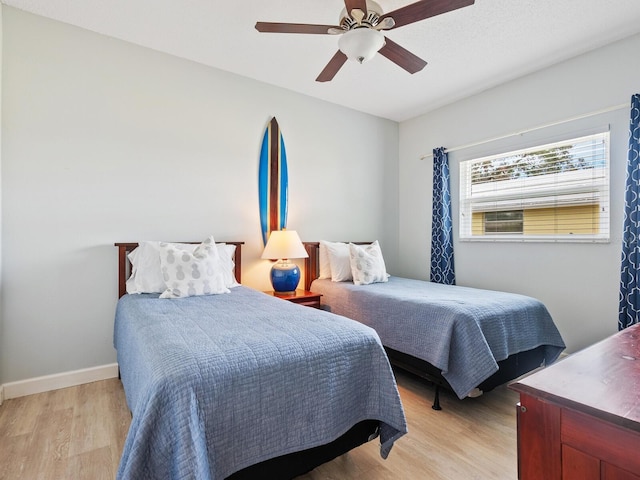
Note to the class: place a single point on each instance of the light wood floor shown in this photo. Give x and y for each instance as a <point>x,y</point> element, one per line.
<point>79,432</point>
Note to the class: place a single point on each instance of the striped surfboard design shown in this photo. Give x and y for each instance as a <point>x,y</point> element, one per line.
<point>272,181</point>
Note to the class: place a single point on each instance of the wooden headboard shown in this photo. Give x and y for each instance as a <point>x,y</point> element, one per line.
<point>124,265</point>
<point>312,262</point>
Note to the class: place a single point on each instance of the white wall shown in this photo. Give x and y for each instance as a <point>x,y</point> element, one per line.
<point>578,282</point>
<point>104,141</point>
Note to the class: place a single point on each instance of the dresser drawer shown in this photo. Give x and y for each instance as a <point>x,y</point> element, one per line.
<point>610,443</point>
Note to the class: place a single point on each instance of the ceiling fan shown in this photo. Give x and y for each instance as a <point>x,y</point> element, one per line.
<point>361,25</point>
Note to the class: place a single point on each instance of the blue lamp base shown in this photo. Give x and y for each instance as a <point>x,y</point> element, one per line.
<point>285,277</point>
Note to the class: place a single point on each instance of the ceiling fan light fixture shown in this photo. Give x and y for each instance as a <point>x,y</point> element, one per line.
<point>361,44</point>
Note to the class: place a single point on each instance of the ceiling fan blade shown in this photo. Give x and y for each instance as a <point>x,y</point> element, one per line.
<point>274,27</point>
<point>355,5</point>
<point>332,67</point>
<point>424,9</point>
<point>402,57</point>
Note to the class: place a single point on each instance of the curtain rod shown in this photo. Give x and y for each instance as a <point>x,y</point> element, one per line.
<point>532,129</point>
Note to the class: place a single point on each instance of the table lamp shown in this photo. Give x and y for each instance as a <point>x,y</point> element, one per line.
<point>284,245</point>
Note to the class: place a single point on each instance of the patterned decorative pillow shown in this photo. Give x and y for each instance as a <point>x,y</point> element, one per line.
<point>188,274</point>
<point>367,264</point>
<point>146,276</point>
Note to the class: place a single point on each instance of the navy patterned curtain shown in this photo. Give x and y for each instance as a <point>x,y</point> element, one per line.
<point>442,269</point>
<point>629,311</point>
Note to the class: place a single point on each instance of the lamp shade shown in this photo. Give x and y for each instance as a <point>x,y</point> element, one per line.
<point>284,244</point>
<point>361,44</point>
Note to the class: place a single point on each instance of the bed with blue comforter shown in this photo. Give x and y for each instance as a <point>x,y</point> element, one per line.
<point>472,337</point>
<point>218,383</point>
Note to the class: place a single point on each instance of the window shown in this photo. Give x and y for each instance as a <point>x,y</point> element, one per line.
<point>503,222</point>
<point>553,192</point>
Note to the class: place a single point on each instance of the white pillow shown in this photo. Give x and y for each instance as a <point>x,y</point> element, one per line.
<point>325,266</point>
<point>188,274</point>
<point>146,276</point>
<point>367,264</point>
<point>338,254</point>
<point>227,253</point>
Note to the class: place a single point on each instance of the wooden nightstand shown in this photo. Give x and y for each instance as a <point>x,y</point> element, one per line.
<point>302,297</point>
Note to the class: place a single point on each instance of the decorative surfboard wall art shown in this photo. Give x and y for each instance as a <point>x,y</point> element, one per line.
<point>273,181</point>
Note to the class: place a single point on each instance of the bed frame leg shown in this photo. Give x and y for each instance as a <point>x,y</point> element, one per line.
<point>436,399</point>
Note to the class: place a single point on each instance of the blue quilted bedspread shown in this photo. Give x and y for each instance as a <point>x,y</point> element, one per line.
<point>218,383</point>
<point>462,331</point>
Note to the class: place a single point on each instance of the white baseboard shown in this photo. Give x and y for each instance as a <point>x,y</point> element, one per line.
<point>59,380</point>
<point>1,394</point>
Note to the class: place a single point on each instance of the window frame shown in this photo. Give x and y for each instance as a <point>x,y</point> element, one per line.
<point>598,188</point>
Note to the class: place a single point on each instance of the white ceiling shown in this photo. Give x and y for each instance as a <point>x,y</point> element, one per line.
<point>467,50</point>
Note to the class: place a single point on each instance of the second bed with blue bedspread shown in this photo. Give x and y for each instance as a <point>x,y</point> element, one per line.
<point>464,332</point>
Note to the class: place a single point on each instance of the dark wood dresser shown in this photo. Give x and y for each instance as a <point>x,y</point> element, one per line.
<point>580,417</point>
